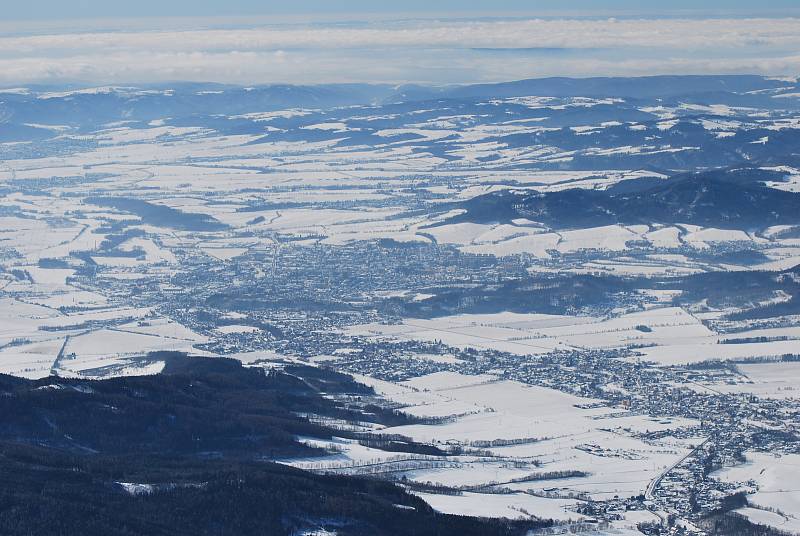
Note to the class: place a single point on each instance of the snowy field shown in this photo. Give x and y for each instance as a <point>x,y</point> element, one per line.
<point>662,335</point>
<point>769,380</point>
<point>524,439</point>
<point>773,491</point>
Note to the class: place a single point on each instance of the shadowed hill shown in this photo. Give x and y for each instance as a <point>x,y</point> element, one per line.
<point>699,200</point>
<point>181,453</point>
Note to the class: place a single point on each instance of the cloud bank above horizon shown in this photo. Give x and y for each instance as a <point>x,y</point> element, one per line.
<point>426,51</point>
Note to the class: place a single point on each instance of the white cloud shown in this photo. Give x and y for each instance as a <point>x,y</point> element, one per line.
<point>421,51</point>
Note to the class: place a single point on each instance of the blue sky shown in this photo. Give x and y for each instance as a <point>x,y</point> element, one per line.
<point>50,9</point>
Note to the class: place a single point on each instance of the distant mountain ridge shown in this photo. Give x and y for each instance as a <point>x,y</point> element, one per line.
<point>640,87</point>
<point>87,107</point>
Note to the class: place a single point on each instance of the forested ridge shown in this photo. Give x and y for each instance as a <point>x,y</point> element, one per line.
<point>184,453</point>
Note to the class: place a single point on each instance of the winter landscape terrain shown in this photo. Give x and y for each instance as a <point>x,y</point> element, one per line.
<point>547,306</point>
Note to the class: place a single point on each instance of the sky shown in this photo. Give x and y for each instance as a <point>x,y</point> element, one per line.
<point>435,42</point>
<point>50,9</point>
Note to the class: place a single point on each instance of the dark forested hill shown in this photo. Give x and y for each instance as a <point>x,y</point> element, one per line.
<point>184,453</point>
<point>46,492</point>
<point>214,406</point>
<point>704,200</point>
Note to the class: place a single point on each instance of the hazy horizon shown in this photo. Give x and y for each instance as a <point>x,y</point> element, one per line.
<point>243,42</point>
<point>431,51</point>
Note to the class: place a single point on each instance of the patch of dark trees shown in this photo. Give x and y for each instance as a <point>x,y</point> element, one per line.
<point>47,492</point>
<point>160,215</point>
